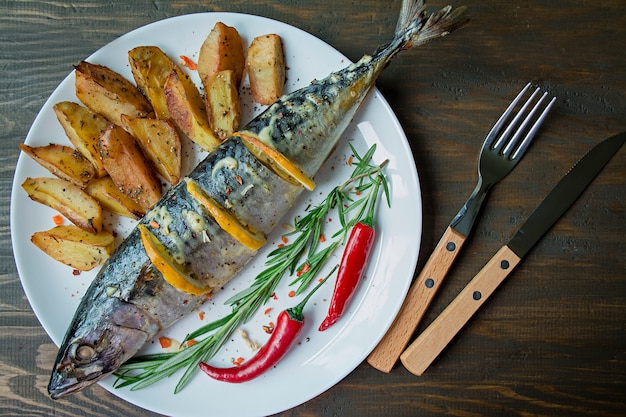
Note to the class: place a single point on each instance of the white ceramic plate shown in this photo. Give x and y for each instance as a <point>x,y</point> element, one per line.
<point>321,359</point>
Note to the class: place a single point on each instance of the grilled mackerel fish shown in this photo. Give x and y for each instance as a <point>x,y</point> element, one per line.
<point>129,301</point>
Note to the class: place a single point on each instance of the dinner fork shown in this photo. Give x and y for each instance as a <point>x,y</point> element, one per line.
<point>502,149</point>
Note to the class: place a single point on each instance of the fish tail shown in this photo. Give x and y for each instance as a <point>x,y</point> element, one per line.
<point>416,27</point>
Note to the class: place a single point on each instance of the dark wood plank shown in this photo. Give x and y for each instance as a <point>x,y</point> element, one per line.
<point>551,341</point>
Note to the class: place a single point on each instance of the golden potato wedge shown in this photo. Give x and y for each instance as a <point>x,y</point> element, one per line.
<point>151,67</point>
<point>75,247</point>
<point>112,199</point>
<point>266,68</point>
<point>83,128</point>
<point>160,143</point>
<point>68,199</point>
<point>188,111</point>
<point>221,50</point>
<point>63,161</point>
<point>108,93</point>
<point>128,167</point>
<point>222,104</point>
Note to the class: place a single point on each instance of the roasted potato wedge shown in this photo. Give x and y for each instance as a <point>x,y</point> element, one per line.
<point>108,93</point>
<point>160,143</point>
<point>128,167</point>
<point>83,128</point>
<point>222,104</point>
<point>68,199</point>
<point>266,68</point>
<point>221,50</point>
<point>112,199</point>
<point>63,161</point>
<point>151,67</point>
<point>188,111</point>
<point>75,247</point>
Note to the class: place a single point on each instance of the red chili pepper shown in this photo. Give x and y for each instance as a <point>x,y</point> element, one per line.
<point>351,269</point>
<point>288,326</point>
<point>353,262</point>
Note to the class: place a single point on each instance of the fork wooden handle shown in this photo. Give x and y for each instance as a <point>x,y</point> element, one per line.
<point>421,293</point>
<point>425,349</point>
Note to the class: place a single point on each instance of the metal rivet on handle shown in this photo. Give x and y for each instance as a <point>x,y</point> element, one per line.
<point>429,283</point>
<point>477,295</point>
<point>504,264</point>
<point>451,246</point>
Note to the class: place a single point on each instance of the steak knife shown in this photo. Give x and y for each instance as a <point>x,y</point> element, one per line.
<point>433,340</point>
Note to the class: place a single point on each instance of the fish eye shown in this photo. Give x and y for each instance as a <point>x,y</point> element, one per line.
<point>84,353</point>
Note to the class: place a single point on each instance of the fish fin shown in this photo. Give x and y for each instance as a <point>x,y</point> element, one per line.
<point>416,27</point>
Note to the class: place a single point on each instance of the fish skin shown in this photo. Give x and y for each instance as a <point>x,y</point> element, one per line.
<point>129,302</point>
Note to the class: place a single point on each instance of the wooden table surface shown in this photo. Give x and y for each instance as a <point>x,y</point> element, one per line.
<point>551,341</point>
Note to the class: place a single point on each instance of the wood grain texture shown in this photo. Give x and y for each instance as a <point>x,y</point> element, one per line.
<point>550,341</point>
<point>433,340</point>
<point>422,292</point>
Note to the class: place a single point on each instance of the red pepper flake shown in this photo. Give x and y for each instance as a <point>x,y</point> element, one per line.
<point>322,238</point>
<point>239,179</point>
<point>350,161</point>
<point>305,268</point>
<point>186,61</point>
<point>190,343</point>
<point>284,239</point>
<point>154,224</point>
<point>280,245</point>
<point>201,315</point>
<point>267,311</point>
<point>269,328</point>
<point>292,293</point>
<point>274,297</point>
<point>58,219</point>
<point>76,272</point>
<point>165,342</point>
<point>227,190</point>
<point>238,361</point>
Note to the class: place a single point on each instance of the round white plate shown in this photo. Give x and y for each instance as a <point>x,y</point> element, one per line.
<point>321,359</point>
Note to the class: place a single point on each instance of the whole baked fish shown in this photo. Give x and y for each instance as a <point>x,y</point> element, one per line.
<point>129,301</point>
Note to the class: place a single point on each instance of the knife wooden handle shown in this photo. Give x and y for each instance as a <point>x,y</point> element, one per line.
<point>421,293</point>
<point>425,349</point>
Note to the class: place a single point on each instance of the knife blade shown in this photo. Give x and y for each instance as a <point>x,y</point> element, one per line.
<point>433,340</point>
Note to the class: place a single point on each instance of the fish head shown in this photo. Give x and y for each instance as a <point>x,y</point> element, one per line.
<point>96,345</point>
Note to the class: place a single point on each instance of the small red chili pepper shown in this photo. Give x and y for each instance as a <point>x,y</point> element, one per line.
<point>351,269</point>
<point>288,326</point>
<point>353,263</point>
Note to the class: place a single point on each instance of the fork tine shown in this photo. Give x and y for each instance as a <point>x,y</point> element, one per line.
<point>495,130</point>
<point>520,131</point>
<point>507,132</point>
<point>533,130</point>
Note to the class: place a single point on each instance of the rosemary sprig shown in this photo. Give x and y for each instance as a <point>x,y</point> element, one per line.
<point>143,371</point>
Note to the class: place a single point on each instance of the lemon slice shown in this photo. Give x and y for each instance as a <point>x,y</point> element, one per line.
<point>225,220</point>
<point>277,161</point>
<point>172,271</point>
